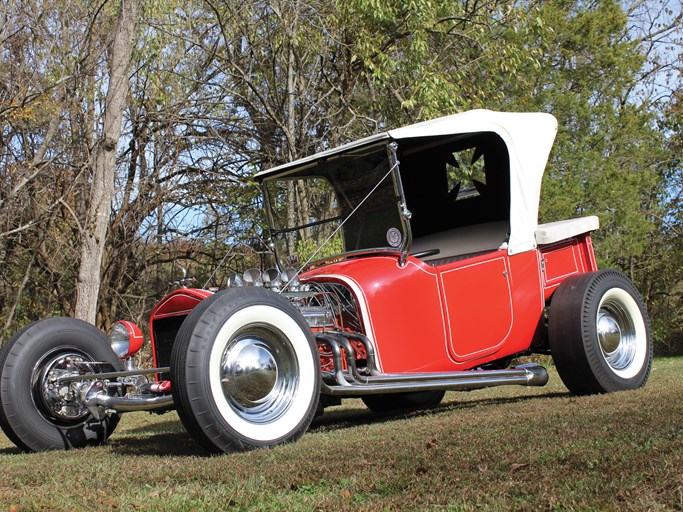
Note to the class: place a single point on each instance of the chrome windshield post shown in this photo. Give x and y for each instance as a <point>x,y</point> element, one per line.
<point>265,195</point>
<point>405,214</point>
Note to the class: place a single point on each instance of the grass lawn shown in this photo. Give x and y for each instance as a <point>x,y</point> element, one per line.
<point>509,448</point>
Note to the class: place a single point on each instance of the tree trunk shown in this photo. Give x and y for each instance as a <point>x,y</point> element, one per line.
<point>103,167</point>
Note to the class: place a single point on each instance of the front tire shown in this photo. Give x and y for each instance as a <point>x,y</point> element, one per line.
<point>37,412</point>
<point>245,371</point>
<point>599,333</point>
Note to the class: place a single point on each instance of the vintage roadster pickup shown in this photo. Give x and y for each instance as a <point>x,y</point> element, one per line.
<point>410,263</point>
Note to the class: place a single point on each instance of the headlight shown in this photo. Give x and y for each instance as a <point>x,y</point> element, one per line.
<point>125,338</point>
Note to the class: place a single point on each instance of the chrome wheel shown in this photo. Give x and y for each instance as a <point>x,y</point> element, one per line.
<point>621,332</point>
<point>41,410</point>
<point>259,374</point>
<point>57,401</point>
<point>262,372</point>
<point>245,371</point>
<point>616,334</point>
<point>599,333</point>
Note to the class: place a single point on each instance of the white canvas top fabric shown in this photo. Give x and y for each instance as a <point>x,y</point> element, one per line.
<point>528,136</point>
<point>563,229</point>
<point>306,161</point>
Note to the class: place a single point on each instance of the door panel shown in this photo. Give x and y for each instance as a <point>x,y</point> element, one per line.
<point>478,300</point>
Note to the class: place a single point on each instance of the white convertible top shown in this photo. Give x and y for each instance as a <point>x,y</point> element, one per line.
<point>528,137</point>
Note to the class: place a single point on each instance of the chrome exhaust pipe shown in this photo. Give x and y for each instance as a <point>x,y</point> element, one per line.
<point>350,381</point>
<point>456,381</point>
<point>524,375</point>
<point>336,357</point>
<point>335,341</point>
<point>369,349</point>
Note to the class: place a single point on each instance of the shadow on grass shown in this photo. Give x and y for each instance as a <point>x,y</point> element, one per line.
<point>168,438</point>
<point>11,451</point>
<point>171,426</point>
<point>350,418</point>
<point>175,444</point>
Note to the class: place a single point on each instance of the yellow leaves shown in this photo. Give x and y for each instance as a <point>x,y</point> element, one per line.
<point>23,114</point>
<point>31,112</point>
<point>159,8</point>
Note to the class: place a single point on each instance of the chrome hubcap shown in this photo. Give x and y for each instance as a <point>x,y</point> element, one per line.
<point>258,374</point>
<point>616,334</point>
<point>249,373</point>
<point>608,333</point>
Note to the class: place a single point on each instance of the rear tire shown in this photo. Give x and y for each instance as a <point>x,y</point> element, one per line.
<point>245,371</point>
<point>403,401</point>
<point>36,413</point>
<point>599,333</point>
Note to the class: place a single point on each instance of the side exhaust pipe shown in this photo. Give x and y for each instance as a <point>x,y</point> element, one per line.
<point>455,381</point>
<point>350,382</point>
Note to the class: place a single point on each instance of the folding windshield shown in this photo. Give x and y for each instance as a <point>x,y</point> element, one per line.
<point>345,204</point>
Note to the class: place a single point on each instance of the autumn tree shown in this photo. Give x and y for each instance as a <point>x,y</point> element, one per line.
<point>103,166</point>
<point>47,66</point>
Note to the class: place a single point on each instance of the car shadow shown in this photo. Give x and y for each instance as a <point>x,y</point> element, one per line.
<point>159,438</point>
<point>11,451</point>
<point>349,418</point>
<point>167,444</point>
<point>168,438</point>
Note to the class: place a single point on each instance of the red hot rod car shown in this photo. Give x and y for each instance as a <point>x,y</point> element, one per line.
<point>409,263</point>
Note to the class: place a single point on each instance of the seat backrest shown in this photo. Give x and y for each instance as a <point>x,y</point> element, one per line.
<point>489,236</point>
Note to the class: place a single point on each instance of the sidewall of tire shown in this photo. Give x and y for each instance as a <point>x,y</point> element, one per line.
<point>20,417</point>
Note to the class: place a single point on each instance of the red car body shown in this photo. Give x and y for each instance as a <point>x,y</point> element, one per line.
<point>418,307</point>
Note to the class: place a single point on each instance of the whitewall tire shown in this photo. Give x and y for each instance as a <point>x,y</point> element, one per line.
<point>599,333</point>
<point>245,371</point>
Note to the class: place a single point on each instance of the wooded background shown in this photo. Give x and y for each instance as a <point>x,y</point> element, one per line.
<point>130,129</point>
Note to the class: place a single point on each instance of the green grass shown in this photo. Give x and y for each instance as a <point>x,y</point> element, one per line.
<point>499,449</point>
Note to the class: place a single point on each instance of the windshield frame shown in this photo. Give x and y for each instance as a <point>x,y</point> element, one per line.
<point>392,173</point>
